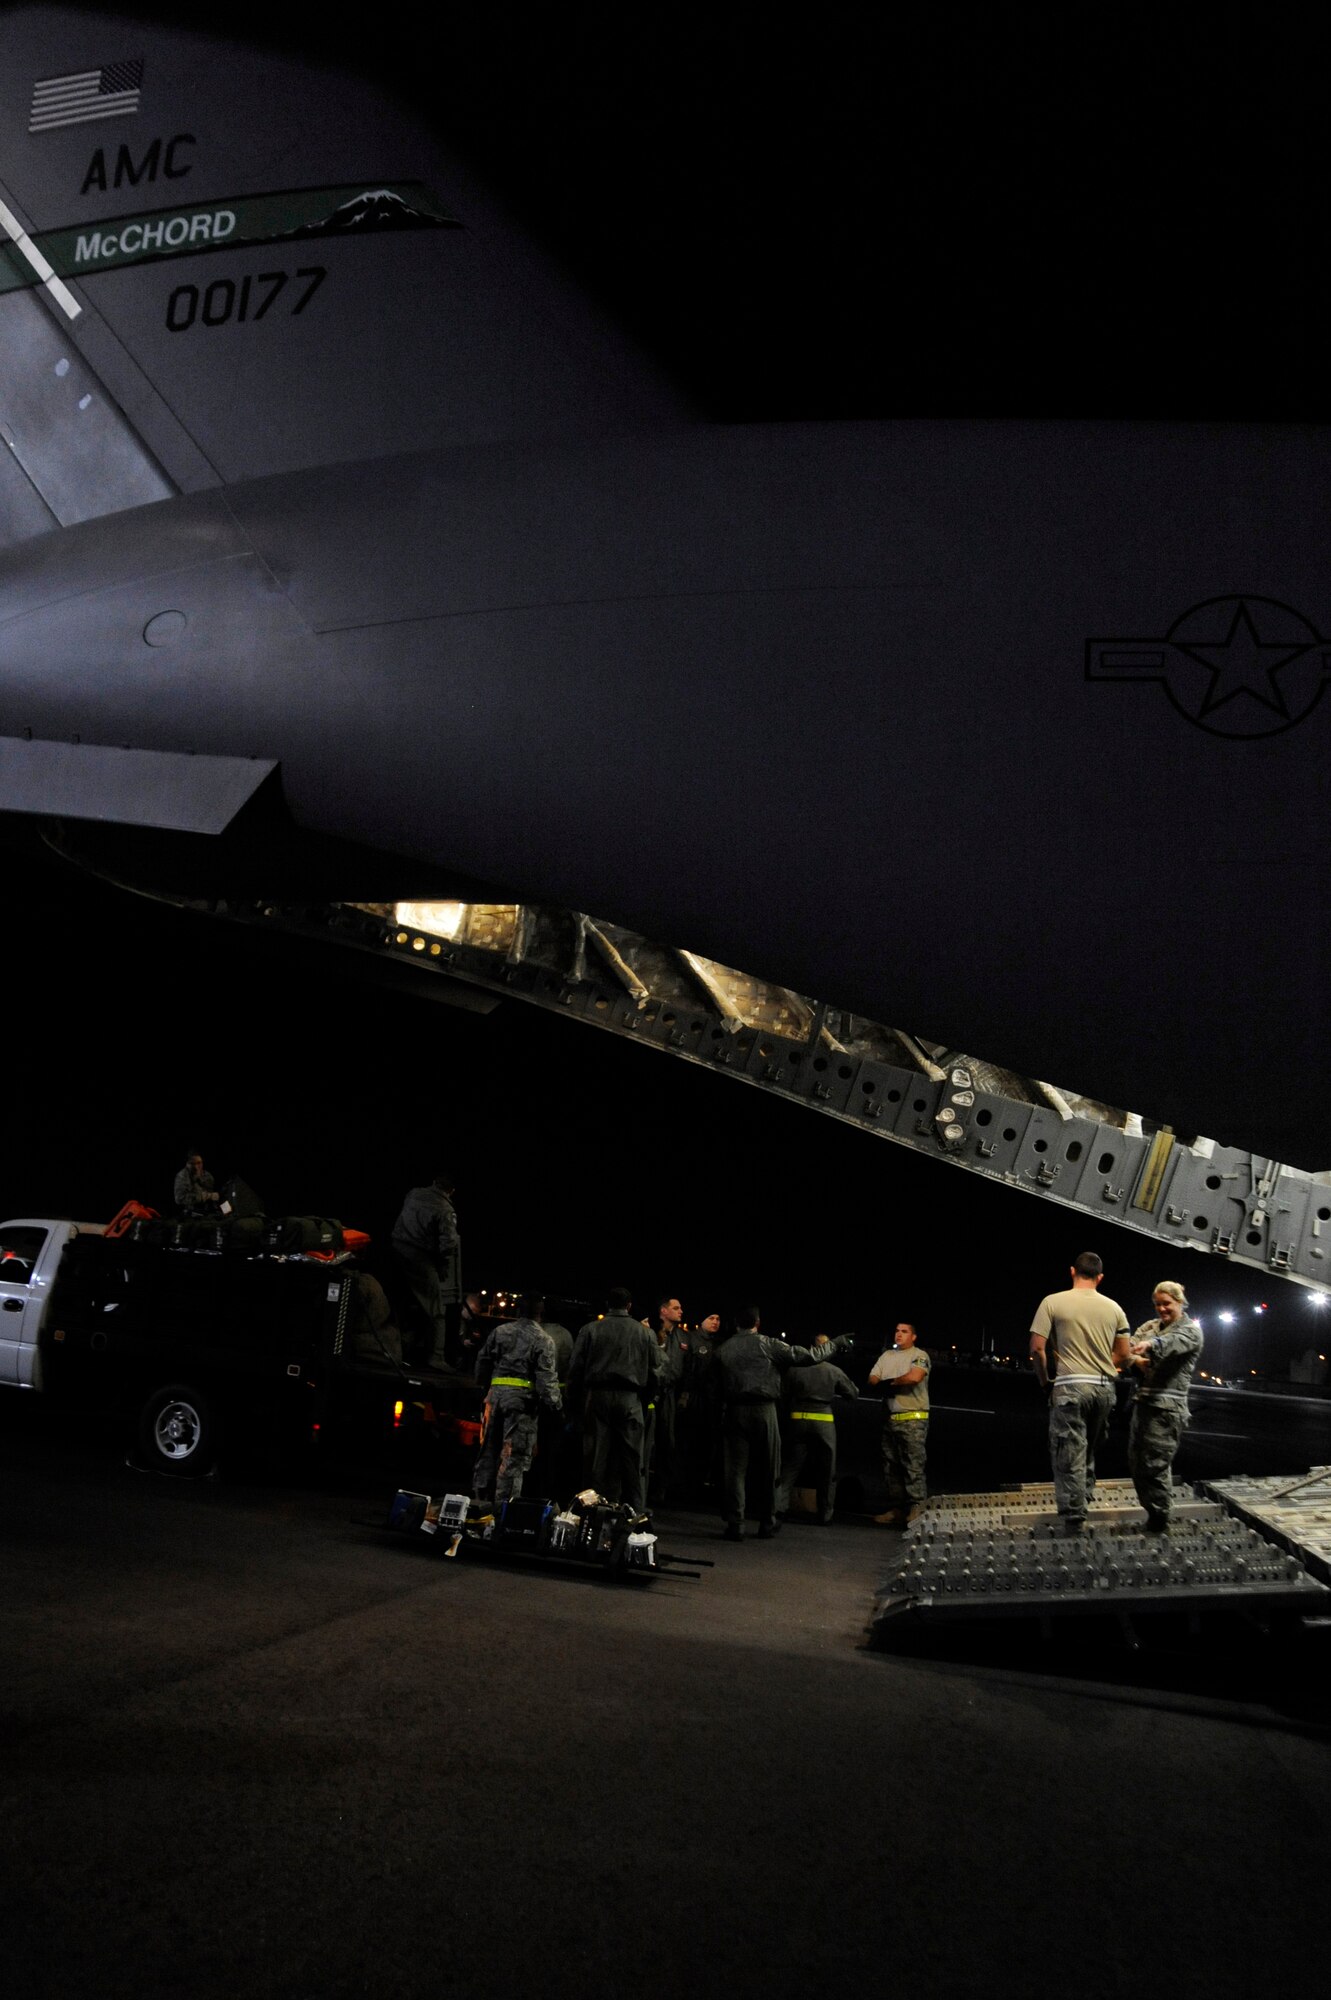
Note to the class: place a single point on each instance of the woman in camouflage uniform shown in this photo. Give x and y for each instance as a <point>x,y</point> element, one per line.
<point>1165,1350</point>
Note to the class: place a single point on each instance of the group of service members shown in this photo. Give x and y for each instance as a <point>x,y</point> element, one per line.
<point>656,1401</point>
<point>660,1403</point>
<point>644,1405</point>
<point>653,1397</point>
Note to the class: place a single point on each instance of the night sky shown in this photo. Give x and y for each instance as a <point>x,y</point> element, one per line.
<point>865,216</point>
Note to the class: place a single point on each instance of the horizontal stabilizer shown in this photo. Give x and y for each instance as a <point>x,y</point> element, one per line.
<point>161,788</point>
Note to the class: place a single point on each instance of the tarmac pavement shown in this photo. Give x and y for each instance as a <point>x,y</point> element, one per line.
<point>254,1748</point>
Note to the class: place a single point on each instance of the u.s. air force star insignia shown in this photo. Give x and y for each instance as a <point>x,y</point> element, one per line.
<point>1235,666</point>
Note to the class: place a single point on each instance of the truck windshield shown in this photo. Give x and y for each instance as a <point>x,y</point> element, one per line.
<point>20,1247</point>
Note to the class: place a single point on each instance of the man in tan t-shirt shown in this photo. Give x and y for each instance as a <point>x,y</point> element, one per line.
<point>906,1425</point>
<point>1088,1335</point>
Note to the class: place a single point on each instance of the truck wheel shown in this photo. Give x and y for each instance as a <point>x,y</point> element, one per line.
<point>176,1431</point>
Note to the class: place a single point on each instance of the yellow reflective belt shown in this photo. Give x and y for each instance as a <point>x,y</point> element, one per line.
<point>509,1382</point>
<point>910,1416</point>
<point>813,1416</point>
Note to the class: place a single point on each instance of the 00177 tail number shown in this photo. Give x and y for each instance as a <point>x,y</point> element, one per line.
<point>224,300</point>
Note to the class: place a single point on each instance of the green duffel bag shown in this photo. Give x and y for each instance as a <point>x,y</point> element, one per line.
<point>292,1234</point>
<point>195,1233</point>
<point>244,1234</point>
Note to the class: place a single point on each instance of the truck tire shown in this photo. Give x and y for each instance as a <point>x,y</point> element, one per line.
<point>177,1432</point>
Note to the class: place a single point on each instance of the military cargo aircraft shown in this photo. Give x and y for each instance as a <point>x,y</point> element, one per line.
<point>360,576</point>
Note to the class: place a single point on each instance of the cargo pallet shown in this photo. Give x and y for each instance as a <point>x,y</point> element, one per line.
<point>1291,1510</point>
<point>1004,1556</point>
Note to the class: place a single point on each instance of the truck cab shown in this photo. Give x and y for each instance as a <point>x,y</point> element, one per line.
<point>30,1254</point>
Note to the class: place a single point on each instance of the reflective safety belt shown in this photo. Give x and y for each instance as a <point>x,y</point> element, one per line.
<point>509,1382</point>
<point>812,1416</point>
<point>910,1416</point>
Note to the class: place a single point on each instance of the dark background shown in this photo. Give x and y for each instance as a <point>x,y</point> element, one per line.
<point>895,212</point>
<point>856,215</point>
<point>582,1159</point>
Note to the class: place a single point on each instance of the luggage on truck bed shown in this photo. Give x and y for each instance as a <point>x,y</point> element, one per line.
<point>244,1234</point>
<point>239,1199</point>
<point>162,1231</point>
<point>124,1219</point>
<point>165,1233</point>
<point>196,1234</point>
<point>292,1235</point>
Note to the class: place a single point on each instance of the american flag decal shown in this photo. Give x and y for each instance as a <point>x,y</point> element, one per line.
<point>109,92</point>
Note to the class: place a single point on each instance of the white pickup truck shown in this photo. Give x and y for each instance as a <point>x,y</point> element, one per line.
<point>30,1253</point>
<point>193,1347</point>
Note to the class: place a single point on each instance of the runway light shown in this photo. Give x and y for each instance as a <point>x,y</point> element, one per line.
<point>1261,1308</point>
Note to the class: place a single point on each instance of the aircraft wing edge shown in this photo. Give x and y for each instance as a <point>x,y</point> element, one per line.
<point>175,790</point>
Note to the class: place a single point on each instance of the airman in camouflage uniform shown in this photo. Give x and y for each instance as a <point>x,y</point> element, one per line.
<point>1165,1350</point>
<point>811,1460</point>
<point>616,1364</point>
<point>517,1368</point>
<point>557,1447</point>
<point>194,1190</point>
<point>374,1336</point>
<point>427,1245</point>
<point>751,1367</point>
<point>699,1405</point>
<point>658,1447</point>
